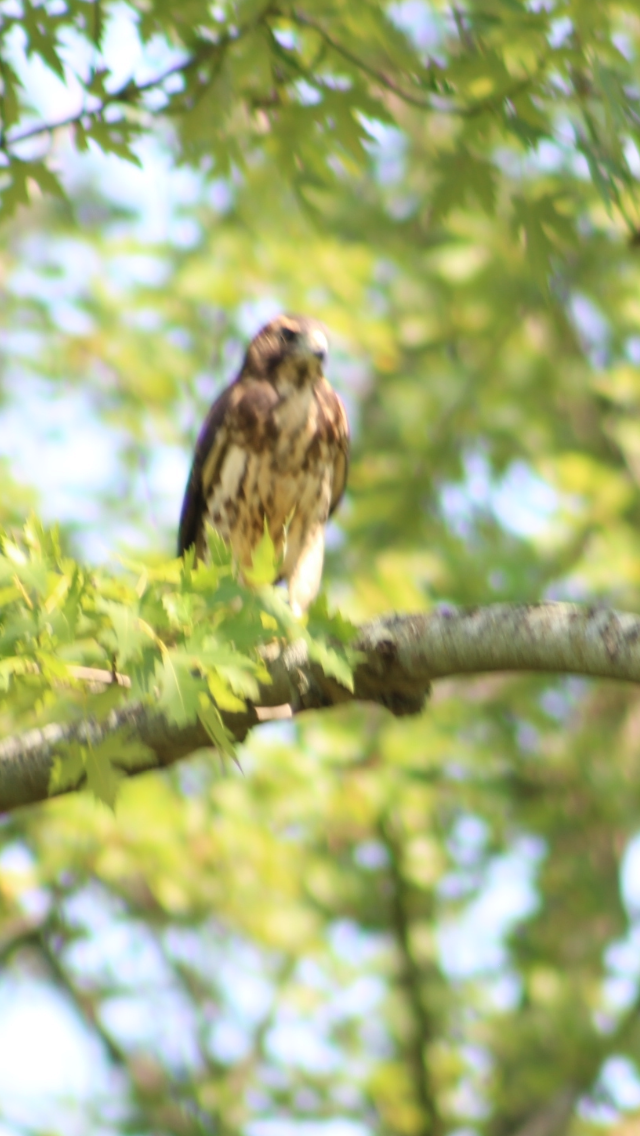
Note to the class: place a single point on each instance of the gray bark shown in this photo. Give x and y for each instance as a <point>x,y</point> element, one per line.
<point>400,656</point>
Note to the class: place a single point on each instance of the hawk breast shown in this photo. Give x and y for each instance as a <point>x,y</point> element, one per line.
<point>277,462</point>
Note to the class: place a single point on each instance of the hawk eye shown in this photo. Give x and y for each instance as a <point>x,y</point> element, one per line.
<point>287,334</point>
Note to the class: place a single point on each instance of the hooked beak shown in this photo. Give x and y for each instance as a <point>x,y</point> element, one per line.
<point>315,344</point>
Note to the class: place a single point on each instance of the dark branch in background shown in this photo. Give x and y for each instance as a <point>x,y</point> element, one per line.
<point>82,1001</point>
<point>23,931</point>
<point>129,92</point>
<point>431,71</point>
<point>377,76</point>
<point>553,1116</point>
<point>147,1076</point>
<point>412,978</point>
<point>400,656</point>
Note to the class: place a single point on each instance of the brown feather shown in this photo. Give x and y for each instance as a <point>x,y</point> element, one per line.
<point>274,445</point>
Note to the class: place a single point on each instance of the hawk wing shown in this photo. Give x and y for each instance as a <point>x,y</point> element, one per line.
<point>336,427</point>
<point>213,436</point>
<point>240,416</point>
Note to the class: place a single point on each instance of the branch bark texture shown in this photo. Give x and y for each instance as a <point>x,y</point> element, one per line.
<point>400,656</point>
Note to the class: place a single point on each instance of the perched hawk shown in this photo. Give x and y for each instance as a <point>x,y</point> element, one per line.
<point>274,445</point>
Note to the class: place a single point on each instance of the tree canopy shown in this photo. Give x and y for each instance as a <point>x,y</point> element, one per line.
<point>378,925</point>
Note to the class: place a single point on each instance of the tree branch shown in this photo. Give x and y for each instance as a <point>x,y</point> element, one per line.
<point>400,656</point>
<point>128,93</point>
<point>384,81</point>
<point>431,71</point>
<point>424,1030</point>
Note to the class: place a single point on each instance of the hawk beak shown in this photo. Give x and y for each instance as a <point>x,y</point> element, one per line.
<point>316,344</point>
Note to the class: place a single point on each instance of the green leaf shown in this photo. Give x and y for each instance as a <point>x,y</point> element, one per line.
<point>463,178</point>
<point>103,778</point>
<point>222,693</point>
<point>115,137</point>
<point>181,684</point>
<point>129,635</point>
<point>46,179</point>
<point>13,665</point>
<point>334,663</point>
<point>216,729</point>
<point>101,767</point>
<point>68,769</point>
<point>219,552</point>
<point>38,27</point>
<point>336,625</point>
<point>265,563</point>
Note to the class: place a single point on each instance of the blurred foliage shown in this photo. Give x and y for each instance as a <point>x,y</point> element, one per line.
<point>185,635</point>
<point>320,944</point>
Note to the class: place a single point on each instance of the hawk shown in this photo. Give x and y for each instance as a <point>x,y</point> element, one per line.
<point>274,446</point>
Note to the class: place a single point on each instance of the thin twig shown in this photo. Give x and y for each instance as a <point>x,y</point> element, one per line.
<point>383,80</point>
<point>128,92</point>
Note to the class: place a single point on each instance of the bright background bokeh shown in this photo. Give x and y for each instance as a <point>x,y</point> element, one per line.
<point>378,927</point>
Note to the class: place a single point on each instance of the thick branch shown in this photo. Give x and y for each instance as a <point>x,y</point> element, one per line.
<point>401,655</point>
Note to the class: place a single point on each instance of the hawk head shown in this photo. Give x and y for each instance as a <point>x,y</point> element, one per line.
<point>288,351</point>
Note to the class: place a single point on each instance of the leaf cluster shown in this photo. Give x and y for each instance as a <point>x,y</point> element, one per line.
<point>183,637</point>
<point>303,89</point>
